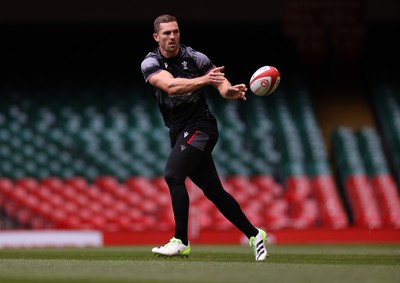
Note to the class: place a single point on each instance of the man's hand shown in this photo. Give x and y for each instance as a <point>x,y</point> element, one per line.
<point>228,91</point>
<point>216,77</point>
<point>236,92</point>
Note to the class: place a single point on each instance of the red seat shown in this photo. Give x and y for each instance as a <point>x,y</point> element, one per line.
<point>5,184</point>
<point>276,215</point>
<point>388,198</point>
<point>97,221</point>
<point>205,221</point>
<point>106,182</point>
<point>297,188</point>
<point>144,186</point>
<point>160,183</point>
<point>266,184</point>
<point>331,207</point>
<point>77,183</point>
<point>27,183</point>
<point>70,222</point>
<point>53,183</point>
<point>363,203</point>
<point>45,194</point>
<point>82,200</point>
<point>242,184</point>
<point>70,207</point>
<point>305,214</point>
<point>92,192</point>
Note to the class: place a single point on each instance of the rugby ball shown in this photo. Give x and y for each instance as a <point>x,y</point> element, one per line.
<point>265,80</point>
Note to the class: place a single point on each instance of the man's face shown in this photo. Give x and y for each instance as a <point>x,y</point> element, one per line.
<point>168,38</point>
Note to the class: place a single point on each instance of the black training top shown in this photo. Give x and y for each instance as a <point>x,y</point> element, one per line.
<point>182,112</point>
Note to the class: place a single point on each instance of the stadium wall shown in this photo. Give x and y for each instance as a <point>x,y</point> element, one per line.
<point>81,238</point>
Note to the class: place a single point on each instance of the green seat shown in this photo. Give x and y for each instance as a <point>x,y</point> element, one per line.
<point>347,153</point>
<point>372,151</point>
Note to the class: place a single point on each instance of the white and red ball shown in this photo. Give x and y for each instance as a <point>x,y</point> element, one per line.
<point>265,80</point>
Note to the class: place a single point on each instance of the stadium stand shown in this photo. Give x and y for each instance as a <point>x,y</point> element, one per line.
<point>385,97</point>
<point>90,155</point>
<point>362,168</point>
<point>379,175</point>
<point>92,158</point>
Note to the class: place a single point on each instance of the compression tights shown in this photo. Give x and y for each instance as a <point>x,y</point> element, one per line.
<point>200,168</point>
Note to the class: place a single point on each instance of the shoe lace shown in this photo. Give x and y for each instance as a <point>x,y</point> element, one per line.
<point>173,242</point>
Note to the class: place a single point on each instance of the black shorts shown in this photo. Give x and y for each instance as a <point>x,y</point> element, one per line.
<point>202,135</point>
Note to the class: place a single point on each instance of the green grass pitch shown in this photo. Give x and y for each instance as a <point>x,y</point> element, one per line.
<point>207,263</point>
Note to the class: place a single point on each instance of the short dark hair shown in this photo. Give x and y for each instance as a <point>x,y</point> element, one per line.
<point>163,19</point>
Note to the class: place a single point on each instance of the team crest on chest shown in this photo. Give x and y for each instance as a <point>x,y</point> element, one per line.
<point>184,65</point>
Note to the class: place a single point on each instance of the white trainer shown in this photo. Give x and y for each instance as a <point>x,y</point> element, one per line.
<point>173,248</point>
<point>258,243</point>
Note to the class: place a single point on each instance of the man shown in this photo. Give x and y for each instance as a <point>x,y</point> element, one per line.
<point>179,75</point>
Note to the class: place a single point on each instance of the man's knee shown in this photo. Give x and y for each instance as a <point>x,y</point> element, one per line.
<point>214,194</point>
<point>173,179</point>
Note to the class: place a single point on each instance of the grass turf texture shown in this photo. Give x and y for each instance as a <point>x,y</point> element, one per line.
<point>287,263</point>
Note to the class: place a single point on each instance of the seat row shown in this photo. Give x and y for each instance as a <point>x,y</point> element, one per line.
<point>140,203</point>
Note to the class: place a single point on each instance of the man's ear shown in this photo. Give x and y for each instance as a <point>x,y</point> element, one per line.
<point>155,36</point>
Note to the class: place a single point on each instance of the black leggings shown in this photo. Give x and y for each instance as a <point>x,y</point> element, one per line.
<point>186,160</point>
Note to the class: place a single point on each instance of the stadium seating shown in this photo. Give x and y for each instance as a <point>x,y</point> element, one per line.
<point>380,176</point>
<point>92,157</point>
<point>386,101</point>
<point>307,173</point>
<point>362,167</point>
